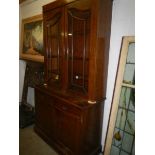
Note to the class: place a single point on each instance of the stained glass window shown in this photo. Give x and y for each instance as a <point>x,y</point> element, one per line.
<point>123,142</point>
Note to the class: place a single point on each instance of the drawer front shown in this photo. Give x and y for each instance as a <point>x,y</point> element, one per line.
<point>66,108</point>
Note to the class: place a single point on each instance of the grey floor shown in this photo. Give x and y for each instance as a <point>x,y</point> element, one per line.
<point>31,144</point>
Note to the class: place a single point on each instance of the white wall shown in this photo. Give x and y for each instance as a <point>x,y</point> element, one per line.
<point>123,24</point>
<point>28,9</point>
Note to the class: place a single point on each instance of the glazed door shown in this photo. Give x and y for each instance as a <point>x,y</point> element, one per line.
<point>54,46</point>
<point>78,33</point>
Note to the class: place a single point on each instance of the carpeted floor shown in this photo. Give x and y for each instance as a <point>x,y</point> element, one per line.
<point>31,144</point>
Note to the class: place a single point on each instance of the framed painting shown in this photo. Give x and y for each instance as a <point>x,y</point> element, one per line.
<point>120,139</point>
<point>31,46</point>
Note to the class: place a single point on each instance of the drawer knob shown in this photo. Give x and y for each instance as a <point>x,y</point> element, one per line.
<point>76,77</point>
<point>91,102</point>
<point>57,77</point>
<point>45,85</point>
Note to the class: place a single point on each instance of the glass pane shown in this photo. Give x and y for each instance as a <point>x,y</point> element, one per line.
<point>132,100</point>
<point>117,140</point>
<point>78,47</point>
<point>121,118</point>
<point>131,53</point>
<point>114,150</point>
<point>54,65</point>
<point>125,97</point>
<point>133,149</point>
<point>78,38</point>
<point>124,153</point>
<point>129,73</point>
<point>130,123</point>
<point>54,49</point>
<point>127,143</point>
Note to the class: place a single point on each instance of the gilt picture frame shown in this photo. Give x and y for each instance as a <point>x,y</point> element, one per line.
<point>31,45</point>
<point>120,138</point>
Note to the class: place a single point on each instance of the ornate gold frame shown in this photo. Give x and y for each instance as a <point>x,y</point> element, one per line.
<point>30,56</point>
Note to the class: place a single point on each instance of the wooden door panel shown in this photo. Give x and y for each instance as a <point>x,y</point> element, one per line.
<point>68,126</point>
<point>43,112</point>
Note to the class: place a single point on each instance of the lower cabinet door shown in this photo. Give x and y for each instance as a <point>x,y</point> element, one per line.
<point>42,112</point>
<point>68,128</point>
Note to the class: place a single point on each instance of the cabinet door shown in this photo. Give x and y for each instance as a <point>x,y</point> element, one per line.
<point>43,112</point>
<point>68,127</point>
<point>53,44</point>
<point>78,21</point>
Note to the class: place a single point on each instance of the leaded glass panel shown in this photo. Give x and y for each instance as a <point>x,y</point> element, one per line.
<point>123,142</point>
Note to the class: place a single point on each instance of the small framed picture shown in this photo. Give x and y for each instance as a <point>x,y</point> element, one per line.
<point>31,45</point>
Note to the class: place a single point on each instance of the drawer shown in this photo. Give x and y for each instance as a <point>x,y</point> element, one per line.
<point>67,108</point>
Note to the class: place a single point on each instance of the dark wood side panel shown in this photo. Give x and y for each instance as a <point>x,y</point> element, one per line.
<point>103,46</point>
<point>99,51</point>
<point>92,129</point>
